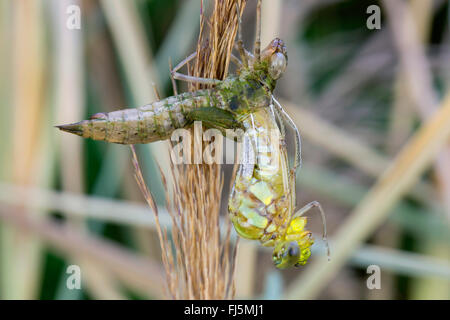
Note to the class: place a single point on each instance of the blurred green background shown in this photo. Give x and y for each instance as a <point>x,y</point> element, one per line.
<point>357,96</point>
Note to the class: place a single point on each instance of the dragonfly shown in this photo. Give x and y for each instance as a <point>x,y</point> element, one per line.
<point>262,201</point>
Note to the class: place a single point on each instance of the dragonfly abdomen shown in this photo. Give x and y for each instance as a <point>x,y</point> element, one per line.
<point>260,202</point>
<point>149,123</point>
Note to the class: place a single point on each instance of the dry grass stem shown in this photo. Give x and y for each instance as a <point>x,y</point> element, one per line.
<point>199,263</point>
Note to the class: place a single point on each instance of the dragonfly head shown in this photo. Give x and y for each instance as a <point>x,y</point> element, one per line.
<point>275,55</point>
<point>294,248</point>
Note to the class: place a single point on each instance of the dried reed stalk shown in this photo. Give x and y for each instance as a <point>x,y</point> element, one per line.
<point>199,262</point>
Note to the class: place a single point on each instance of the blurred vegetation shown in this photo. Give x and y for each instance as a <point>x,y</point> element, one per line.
<point>358,96</point>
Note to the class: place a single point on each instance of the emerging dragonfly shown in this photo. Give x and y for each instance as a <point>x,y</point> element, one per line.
<point>262,201</point>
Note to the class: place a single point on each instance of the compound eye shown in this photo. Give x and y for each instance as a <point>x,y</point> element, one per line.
<point>293,251</point>
<point>277,65</point>
<point>286,255</point>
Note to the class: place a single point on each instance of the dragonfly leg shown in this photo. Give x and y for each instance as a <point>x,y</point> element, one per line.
<point>249,56</point>
<point>174,83</point>
<point>216,118</point>
<point>276,113</point>
<point>298,140</point>
<point>257,48</point>
<point>240,43</point>
<point>184,77</point>
<point>179,76</point>
<point>155,90</point>
<point>312,205</point>
<point>183,62</point>
<point>236,60</point>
